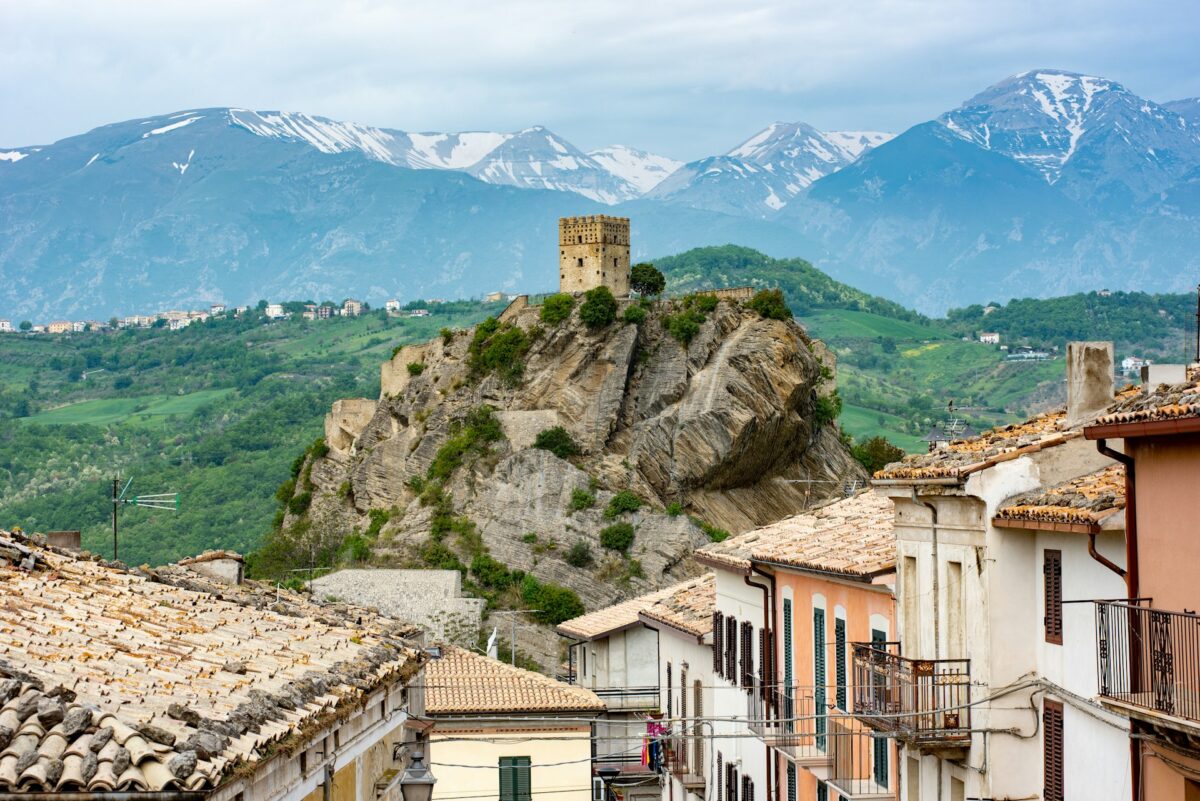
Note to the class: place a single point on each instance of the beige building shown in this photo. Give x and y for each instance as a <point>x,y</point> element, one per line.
<point>495,733</point>
<point>593,251</point>
<point>59,327</point>
<point>166,683</point>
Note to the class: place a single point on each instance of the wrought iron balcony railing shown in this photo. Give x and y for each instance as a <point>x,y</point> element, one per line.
<point>1149,659</point>
<point>861,761</point>
<point>685,755</point>
<point>923,701</point>
<point>794,720</point>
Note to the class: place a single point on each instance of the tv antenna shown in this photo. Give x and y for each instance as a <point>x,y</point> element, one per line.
<point>168,501</point>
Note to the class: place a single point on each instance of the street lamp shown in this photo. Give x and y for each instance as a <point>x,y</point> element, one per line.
<point>417,782</point>
<point>607,775</point>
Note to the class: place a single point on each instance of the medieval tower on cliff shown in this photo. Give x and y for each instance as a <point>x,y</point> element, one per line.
<point>593,251</point>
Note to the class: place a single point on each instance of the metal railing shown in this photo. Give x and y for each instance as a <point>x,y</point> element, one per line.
<point>925,700</point>
<point>685,757</point>
<point>792,719</point>
<point>861,763</point>
<point>1149,658</point>
<point>623,698</point>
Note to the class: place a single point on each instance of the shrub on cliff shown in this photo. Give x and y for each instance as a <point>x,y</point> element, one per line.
<point>498,348</point>
<point>599,307</point>
<point>617,537</point>
<point>556,603</point>
<point>623,501</point>
<point>770,303</point>
<point>558,441</point>
<point>473,434</point>
<point>645,279</point>
<point>557,308</point>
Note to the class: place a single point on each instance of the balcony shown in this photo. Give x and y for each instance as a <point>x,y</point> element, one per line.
<point>685,758</point>
<point>1148,664</point>
<point>629,699</point>
<point>793,720</point>
<point>861,762</point>
<point>924,702</point>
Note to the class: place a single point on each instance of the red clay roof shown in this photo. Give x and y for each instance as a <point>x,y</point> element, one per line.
<point>462,682</point>
<point>1087,501</point>
<point>688,607</point>
<point>854,536</point>
<point>1160,403</point>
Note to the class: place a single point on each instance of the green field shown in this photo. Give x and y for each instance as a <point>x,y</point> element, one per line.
<point>862,423</point>
<point>143,409</point>
<point>849,324</point>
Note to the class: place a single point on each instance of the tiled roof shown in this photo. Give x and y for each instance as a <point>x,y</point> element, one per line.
<point>730,554</point>
<point>853,536</point>
<point>688,606</point>
<point>132,681</point>
<point>465,683</point>
<point>211,556</point>
<point>610,618</point>
<point>1087,501</point>
<point>965,456</point>
<point>1162,403</point>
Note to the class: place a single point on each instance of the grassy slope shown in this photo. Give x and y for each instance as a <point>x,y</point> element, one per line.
<point>217,412</point>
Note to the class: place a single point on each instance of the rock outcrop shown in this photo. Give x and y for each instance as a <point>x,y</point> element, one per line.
<point>725,428</point>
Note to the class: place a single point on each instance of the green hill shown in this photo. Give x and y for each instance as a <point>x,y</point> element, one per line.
<point>217,412</point>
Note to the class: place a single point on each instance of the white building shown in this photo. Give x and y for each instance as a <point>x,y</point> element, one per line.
<point>275,311</point>
<point>392,305</point>
<point>741,599</point>
<point>1133,364</point>
<point>991,691</point>
<point>6,326</point>
<point>683,619</point>
<point>990,338</point>
<point>216,308</point>
<point>352,307</point>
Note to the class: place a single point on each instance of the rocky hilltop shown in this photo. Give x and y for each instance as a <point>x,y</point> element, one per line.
<point>723,433</point>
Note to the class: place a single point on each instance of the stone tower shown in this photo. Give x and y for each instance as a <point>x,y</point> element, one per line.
<point>593,251</point>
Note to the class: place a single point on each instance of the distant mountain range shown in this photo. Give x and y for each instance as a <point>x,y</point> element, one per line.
<point>1047,182</point>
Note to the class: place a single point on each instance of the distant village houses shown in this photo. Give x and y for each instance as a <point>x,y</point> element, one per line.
<point>990,338</point>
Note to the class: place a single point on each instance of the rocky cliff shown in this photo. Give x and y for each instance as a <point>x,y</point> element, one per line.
<point>724,430</point>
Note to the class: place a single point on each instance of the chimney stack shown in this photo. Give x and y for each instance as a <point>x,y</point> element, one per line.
<point>1089,380</point>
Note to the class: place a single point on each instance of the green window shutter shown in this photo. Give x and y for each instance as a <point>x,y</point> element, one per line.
<point>822,791</point>
<point>514,779</point>
<point>791,779</point>
<point>880,744</point>
<point>819,675</point>
<point>839,636</point>
<point>787,642</point>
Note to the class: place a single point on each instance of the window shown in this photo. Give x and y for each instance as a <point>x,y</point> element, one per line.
<point>913,779</point>
<point>822,791</point>
<point>1052,575</point>
<point>1052,751</point>
<point>698,740</point>
<point>955,615</point>
<point>747,655</point>
<point>721,774</point>
<point>683,692</point>
<point>910,596</point>
<point>839,642</point>
<point>514,779</point>
<point>879,745</point>
<point>791,782</point>
<point>579,261</point>
<point>731,649</point>
<point>583,660</point>
<point>747,789</point>
<point>819,676</point>
<point>669,699</point>
<point>787,710</point>
<point>958,789</point>
<point>718,644</point>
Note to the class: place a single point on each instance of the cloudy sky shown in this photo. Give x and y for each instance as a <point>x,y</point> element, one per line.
<point>684,78</point>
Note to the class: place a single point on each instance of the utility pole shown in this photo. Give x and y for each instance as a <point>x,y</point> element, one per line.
<point>168,501</point>
<point>116,481</point>
<point>513,639</point>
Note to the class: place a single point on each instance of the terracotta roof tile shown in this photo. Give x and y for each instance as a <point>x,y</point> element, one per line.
<point>462,682</point>
<point>996,445</point>
<point>609,619</point>
<point>688,606</point>
<point>1087,500</point>
<point>124,680</point>
<point>853,536</point>
<point>1160,403</point>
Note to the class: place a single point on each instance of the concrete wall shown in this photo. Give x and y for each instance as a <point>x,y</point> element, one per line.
<point>682,650</point>
<point>560,760</point>
<point>731,705</point>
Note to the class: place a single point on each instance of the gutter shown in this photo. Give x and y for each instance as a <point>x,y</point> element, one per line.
<point>85,795</point>
<point>1131,582</point>
<point>860,578</point>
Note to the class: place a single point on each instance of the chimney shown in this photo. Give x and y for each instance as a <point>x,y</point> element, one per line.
<point>1089,380</point>
<point>67,540</point>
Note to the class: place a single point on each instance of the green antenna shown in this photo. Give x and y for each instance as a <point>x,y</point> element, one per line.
<point>168,501</point>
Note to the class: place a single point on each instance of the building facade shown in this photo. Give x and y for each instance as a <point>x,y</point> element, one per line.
<point>593,251</point>
<point>1147,644</point>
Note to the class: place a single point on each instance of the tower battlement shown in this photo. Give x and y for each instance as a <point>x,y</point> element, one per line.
<point>593,251</point>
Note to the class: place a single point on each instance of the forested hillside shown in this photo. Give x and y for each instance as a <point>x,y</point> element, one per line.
<point>217,412</point>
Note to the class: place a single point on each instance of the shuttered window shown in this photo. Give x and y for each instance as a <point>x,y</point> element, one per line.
<point>697,732</point>
<point>879,745</point>
<point>514,779</point>
<point>822,791</point>
<point>670,699</point>
<point>683,688</point>
<point>747,789</point>
<point>788,678</point>
<point>791,782</point>
<point>718,648</point>
<point>839,642</point>
<point>731,649</point>
<point>747,674</point>
<point>819,675</point>
<point>1052,748</point>
<point>1052,572</point>
<point>720,777</point>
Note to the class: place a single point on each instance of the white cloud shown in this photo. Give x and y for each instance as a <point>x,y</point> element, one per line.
<point>684,78</point>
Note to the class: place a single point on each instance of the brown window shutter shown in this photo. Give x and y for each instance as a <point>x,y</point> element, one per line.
<point>763,657</point>
<point>683,688</point>
<point>718,644</point>
<point>748,655</point>
<point>731,646</point>
<point>670,701</point>
<point>1052,595</point>
<point>720,776</point>
<point>1052,751</point>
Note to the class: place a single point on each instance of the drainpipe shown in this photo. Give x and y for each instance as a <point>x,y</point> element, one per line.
<point>1132,586</point>
<point>937,569</point>
<point>769,624</point>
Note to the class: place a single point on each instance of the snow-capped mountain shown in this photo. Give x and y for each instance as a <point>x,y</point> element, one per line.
<point>1188,108</point>
<point>762,174</point>
<point>642,170</point>
<point>1092,134</point>
<point>534,158</point>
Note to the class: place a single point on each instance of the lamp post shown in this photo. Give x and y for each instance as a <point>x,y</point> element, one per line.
<point>607,775</point>
<point>417,782</point>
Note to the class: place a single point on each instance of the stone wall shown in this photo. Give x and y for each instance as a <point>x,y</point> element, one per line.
<point>345,421</point>
<point>431,599</point>
<point>593,251</point>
